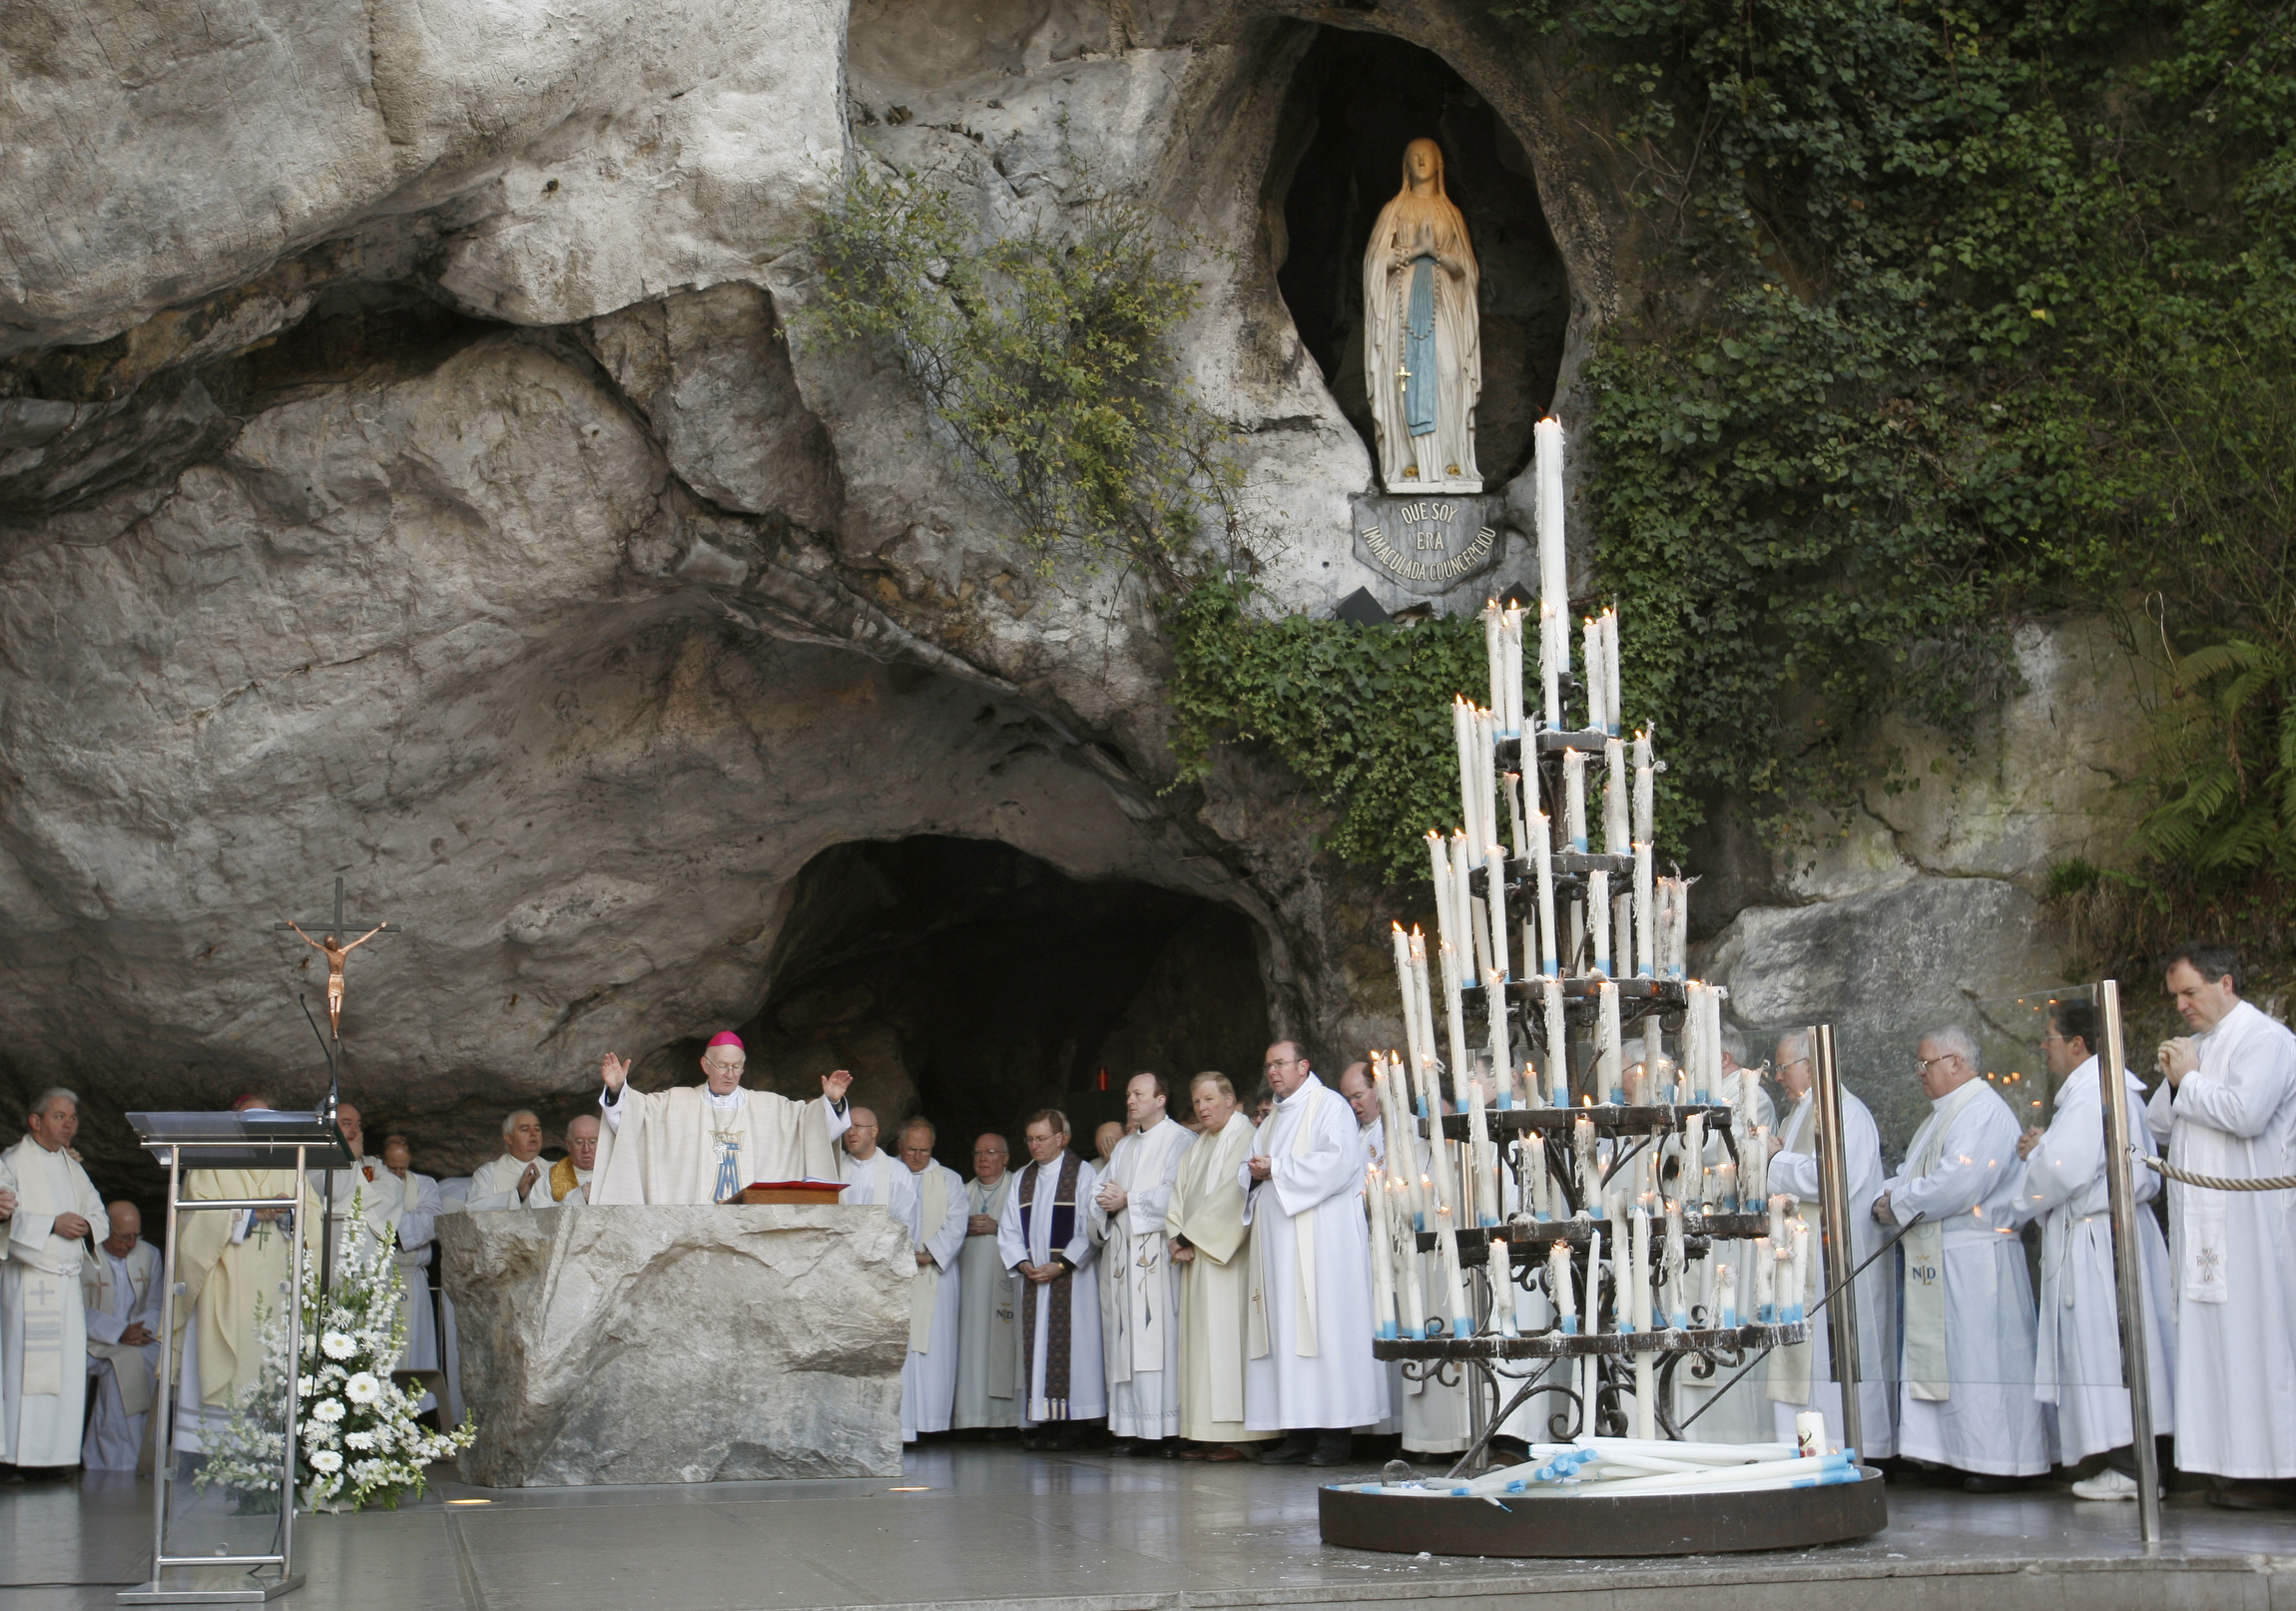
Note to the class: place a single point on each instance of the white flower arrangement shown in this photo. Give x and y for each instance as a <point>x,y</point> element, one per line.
<point>348,1398</point>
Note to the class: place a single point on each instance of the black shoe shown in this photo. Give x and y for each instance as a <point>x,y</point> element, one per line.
<point>1293,1451</point>
<point>1071,1437</point>
<point>1123,1445</point>
<point>1978,1482</point>
<point>1332,1450</point>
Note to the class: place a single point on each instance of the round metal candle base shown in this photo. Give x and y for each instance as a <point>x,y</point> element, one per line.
<point>1594,1527</point>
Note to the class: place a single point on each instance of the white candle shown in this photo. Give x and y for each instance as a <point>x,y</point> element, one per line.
<point>1726,1186</point>
<point>1543,859</point>
<point>1558,1291</point>
<point>1482,1162</point>
<point>1424,1053</point>
<point>1638,1270</point>
<point>1618,837</point>
<point>1536,1192</point>
<point>1777,1205</point>
<point>1470,939</point>
<point>1595,1283</point>
<point>1414,1293</point>
<point>1607,1070</point>
<point>1590,629</point>
<point>1550,667</point>
<point>1393,1086</point>
<point>1518,836</point>
<point>1553,575</point>
<point>1502,1271</point>
<point>1725,1300</point>
<point>1461,1315</point>
<point>1456,1008</point>
<point>1694,1159</point>
<point>1485,825</point>
<point>1384,1319</point>
<point>1408,989</point>
<point>1810,1433</point>
<point>1462,735</point>
<point>1439,868</point>
<point>1590,1166</point>
<point>1474,957</point>
<point>1575,800</point>
<point>1557,1059</point>
<point>1678,940</point>
<point>1598,919</point>
<point>1645,917</point>
<point>1494,887</point>
<point>1614,703</point>
<point>1645,788</point>
<point>1754,1182</point>
<point>1765,1283</point>
<point>1677,1256</point>
<point>1645,1400</point>
<point>1495,652</point>
<point>1501,1051</point>
<point>1512,641</point>
<point>1797,1289</point>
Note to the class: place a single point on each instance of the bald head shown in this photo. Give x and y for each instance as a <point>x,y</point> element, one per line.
<point>582,1140</point>
<point>861,1140</point>
<point>1356,1086</point>
<point>126,1228</point>
<point>353,1132</point>
<point>991,1156</point>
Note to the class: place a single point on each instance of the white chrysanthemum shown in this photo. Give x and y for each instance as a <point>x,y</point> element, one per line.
<point>305,1388</point>
<point>358,1440</point>
<point>330,1410</point>
<point>327,1461</point>
<point>362,1388</point>
<point>336,1346</point>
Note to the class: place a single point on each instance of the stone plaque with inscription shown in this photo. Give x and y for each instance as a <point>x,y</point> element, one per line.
<point>1430,544</point>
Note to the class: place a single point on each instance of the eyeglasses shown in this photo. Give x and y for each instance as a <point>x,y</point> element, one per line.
<point>1922,1064</point>
<point>1281,1062</point>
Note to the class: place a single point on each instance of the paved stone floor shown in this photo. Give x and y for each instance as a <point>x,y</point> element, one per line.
<point>979,1527</point>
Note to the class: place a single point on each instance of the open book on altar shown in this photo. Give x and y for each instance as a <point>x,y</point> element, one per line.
<point>809,1189</point>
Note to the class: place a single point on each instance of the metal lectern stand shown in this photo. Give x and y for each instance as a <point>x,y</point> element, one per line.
<point>257,1139</point>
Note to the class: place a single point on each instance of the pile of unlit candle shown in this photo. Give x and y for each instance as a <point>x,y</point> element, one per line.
<point>1627,1467</point>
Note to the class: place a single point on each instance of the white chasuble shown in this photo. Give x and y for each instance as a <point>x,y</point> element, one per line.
<point>682,1145</point>
<point>1310,1364</point>
<point>1138,1296</point>
<point>938,1209</point>
<point>1043,1224</point>
<point>988,1342</point>
<point>1208,1210</point>
<point>234,1271</point>
<point>116,1294</point>
<point>2234,1117</point>
<point>43,1334</point>
<point>2076,1350</point>
<point>1966,1398</point>
<point>1800,1375</point>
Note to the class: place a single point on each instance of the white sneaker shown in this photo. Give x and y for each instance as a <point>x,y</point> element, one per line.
<point>2106,1484</point>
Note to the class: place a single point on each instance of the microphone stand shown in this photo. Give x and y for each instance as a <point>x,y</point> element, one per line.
<point>326,1111</point>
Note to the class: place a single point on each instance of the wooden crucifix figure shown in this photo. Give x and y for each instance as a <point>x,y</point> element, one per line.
<point>332,948</point>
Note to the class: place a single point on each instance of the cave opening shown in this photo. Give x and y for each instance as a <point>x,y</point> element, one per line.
<point>1356,101</point>
<point>971,982</point>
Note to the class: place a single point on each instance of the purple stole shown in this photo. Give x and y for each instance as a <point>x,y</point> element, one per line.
<point>1063,1232</point>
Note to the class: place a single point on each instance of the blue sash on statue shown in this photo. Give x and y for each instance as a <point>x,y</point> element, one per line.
<point>1420,350</point>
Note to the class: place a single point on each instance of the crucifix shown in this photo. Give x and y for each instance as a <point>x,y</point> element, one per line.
<point>335,951</point>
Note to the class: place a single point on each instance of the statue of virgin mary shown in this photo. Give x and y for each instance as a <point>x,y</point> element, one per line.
<point>1423,346</point>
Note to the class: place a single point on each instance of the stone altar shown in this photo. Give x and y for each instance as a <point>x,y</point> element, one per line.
<point>666,1344</point>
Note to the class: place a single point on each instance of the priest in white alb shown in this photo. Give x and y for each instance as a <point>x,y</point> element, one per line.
<point>988,1343</point>
<point>1138,1295</point>
<point>705,1143</point>
<point>418,1246</point>
<point>870,1173</point>
<point>2227,1104</point>
<point>120,1294</point>
<point>936,1221</point>
<point>2078,1359</point>
<point>52,1206</point>
<point>1801,1376</point>
<point>517,1179</point>
<point>1042,1238</point>
<point>1309,1374</point>
<point>1966,1400</point>
<point>233,1266</point>
<point>363,1203</point>
<point>1208,1239</point>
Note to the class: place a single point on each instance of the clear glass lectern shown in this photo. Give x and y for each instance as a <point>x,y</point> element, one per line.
<point>223,1507</point>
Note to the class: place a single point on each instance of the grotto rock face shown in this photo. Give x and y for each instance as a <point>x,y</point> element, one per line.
<point>421,463</point>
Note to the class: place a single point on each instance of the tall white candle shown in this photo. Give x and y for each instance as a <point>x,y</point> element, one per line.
<point>1536,1192</point>
<point>1613,696</point>
<point>1454,1010</point>
<point>1595,1283</point>
<point>1639,1270</point>
<point>1517,831</point>
<point>1597,701</point>
<point>1415,1032</point>
<point>1673,1266</point>
<point>1765,1263</point>
<point>1421,993</point>
<point>1678,942</point>
<point>1384,1319</point>
<point>1558,1288</point>
<point>1557,1045</point>
<point>1501,1271</point>
<point>1462,1313</point>
<point>1724,1302</point>
<point>1645,918</point>
<point>1590,1166</point>
<point>1553,575</point>
<point>1486,823</point>
<point>1472,939</point>
<point>1414,1294</point>
<point>1494,653</point>
<point>1618,834</point>
<point>1542,860</point>
<point>1645,788</point>
<point>1797,1288</point>
<point>1403,1151</point>
<point>1694,1159</point>
<point>1575,800</point>
<point>1510,641</point>
<point>1611,1067</point>
<point>1598,919</point>
<point>1447,926</point>
<point>1462,737</point>
<point>1495,1027</point>
<point>1755,1181</point>
<point>1550,667</point>
<point>1435,1183</point>
<point>1494,887</point>
<point>1482,1159</point>
<point>1474,966</point>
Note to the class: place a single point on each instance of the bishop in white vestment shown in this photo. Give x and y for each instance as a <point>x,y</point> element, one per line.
<point>1139,1299</point>
<point>1208,1238</point>
<point>1966,1398</point>
<point>988,1344</point>
<point>705,1143</point>
<point>120,1294</point>
<point>1801,1376</point>
<point>1043,1240</point>
<point>2076,1359</point>
<point>520,1178</point>
<point>937,1220</point>
<point>43,1330</point>
<point>2227,1104</point>
<point>1310,1369</point>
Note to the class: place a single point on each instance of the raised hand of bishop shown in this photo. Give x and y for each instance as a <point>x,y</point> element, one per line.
<point>616,1071</point>
<point>833,1086</point>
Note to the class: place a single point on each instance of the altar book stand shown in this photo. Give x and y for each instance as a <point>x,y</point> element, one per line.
<point>226,1570</point>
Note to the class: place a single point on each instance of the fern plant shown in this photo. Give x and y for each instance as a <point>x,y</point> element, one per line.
<point>2232,809</point>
